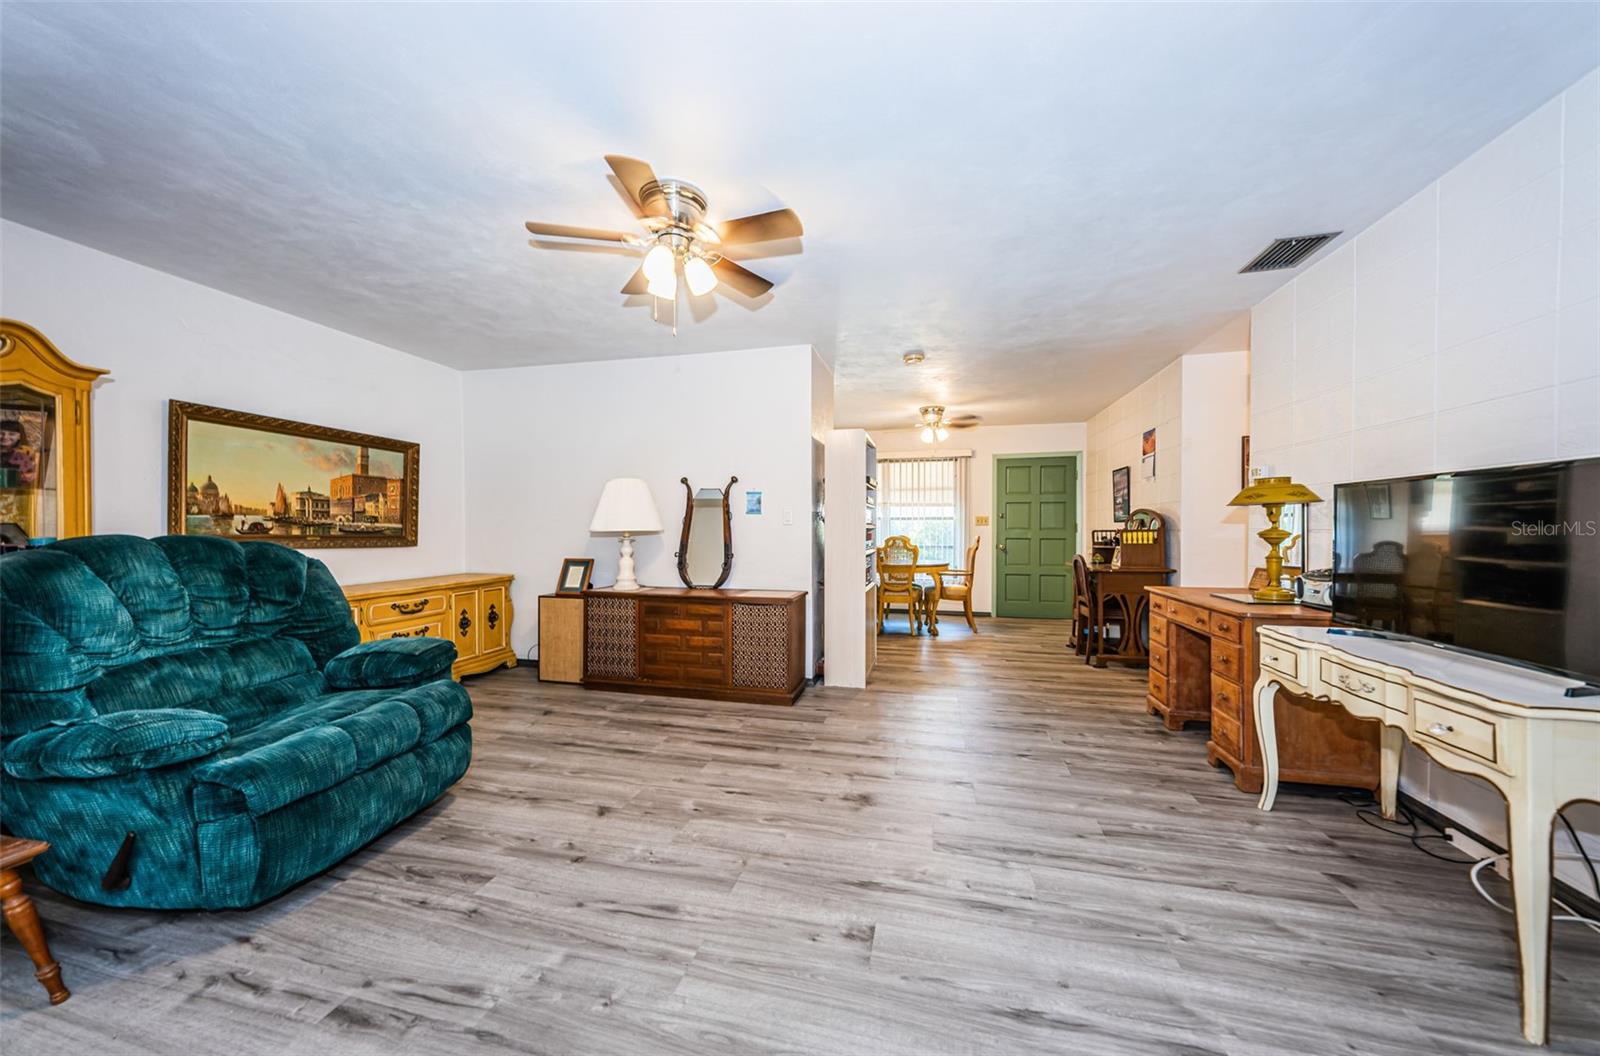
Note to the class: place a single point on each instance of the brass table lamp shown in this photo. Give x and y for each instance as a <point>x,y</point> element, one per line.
<point>1274,493</point>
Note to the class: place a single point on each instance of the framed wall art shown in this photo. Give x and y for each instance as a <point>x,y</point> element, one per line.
<point>575,574</point>
<point>246,476</point>
<point>1121,491</point>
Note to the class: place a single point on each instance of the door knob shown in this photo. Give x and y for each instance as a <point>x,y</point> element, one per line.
<point>1002,546</point>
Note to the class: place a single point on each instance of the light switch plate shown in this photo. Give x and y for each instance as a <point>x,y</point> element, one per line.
<point>788,515</point>
<point>982,520</point>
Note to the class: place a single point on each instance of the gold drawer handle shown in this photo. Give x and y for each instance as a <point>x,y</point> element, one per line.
<point>1440,727</point>
<point>409,608</point>
<point>1360,685</point>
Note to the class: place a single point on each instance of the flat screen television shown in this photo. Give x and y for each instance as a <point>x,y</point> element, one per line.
<point>1499,562</point>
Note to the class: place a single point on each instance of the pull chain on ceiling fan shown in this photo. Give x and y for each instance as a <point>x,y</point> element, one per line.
<point>677,237</point>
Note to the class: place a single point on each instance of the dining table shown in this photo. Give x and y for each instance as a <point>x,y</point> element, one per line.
<point>931,591</point>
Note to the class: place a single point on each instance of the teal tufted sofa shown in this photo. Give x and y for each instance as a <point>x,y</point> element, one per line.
<point>210,698</point>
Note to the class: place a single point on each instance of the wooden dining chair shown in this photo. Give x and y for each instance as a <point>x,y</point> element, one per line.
<point>956,583</point>
<point>897,581</point>
<point>1082,607</point>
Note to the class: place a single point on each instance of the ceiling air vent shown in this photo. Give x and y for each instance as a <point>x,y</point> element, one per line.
<point>1288,252</point>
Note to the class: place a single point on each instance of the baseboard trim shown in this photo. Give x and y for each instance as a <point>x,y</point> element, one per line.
<point>1579,900</point>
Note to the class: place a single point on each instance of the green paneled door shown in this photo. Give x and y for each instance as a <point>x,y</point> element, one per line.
<point>1036,504</point>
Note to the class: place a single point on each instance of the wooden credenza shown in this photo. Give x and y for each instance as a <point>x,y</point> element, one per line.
<point>1204,658</point>
<point>745,645</point>
<point>471,609</point>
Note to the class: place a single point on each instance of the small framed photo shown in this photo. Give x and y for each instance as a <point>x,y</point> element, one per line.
<point>1121,492</point>
<point>575,573</point>
<point>1378,502</point>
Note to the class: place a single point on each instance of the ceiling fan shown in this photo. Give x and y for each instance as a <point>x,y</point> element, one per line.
<point>678,238</point>
<point>935,426</point>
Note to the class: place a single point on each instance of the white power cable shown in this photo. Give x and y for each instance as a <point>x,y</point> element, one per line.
<point>1570,914</point>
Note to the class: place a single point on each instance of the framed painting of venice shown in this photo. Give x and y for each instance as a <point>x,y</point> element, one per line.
<point>245,476</point>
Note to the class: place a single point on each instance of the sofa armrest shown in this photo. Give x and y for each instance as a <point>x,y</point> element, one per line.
<point>119,742</point>
<point>391,663</point>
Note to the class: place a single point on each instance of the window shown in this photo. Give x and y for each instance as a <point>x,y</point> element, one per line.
<point>925,499</point>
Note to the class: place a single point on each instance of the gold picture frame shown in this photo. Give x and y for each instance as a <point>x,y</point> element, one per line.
<point>366,505</point>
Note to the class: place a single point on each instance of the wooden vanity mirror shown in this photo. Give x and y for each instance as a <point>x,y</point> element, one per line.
<point>705,553</point>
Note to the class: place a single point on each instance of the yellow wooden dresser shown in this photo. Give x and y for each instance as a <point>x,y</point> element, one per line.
<point>471,609</point>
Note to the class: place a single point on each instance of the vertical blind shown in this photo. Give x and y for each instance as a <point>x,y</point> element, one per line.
<point>925,499</point>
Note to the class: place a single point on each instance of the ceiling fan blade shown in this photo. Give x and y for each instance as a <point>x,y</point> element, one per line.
<point>762,227</point>
<point>742,279</point>
<point>633,175</point>
<point>637,284</point>
<point>598,234</point>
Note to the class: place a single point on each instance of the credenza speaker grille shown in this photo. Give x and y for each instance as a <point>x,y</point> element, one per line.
<point>760,646</point>
<point>611,646</point>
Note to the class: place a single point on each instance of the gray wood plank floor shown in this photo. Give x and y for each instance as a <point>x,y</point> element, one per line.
<point>992,850</point>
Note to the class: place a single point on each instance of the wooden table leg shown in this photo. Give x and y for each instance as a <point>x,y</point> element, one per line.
<point>1393,747</point>
<point>23,920</point>
<point>932,603</point>
<point>1267,734</point>
<point>1528,834</point>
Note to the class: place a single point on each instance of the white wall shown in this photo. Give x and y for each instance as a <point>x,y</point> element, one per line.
<point>1199,407</point>
<point>165,338</point>
<point>541,442</point>
<point>1213,546</point>
<point>987,443</point>
<point>1115,436</point>
<point>1458,331</point>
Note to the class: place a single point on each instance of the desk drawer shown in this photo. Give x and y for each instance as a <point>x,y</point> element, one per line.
<point>1225,730</point>
<point>1284,661</point>
<point>1338,677</point>
<point>410,607</point>
<point>1225,698</point>
<point>1158,656</point>
<point>1199,619</point>
<point>1226,627</point>
<point>1158,625</point>
<point>1158,686</point>
<point>1436,721</point>
<point>1227,660</point>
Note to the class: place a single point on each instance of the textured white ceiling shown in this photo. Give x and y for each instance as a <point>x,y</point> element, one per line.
<point>1050,200</point>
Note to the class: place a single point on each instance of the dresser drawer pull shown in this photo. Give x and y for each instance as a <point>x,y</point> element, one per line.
<point>409,608</point>
<point>466,623</point>
<point>1441,728</point>
<point>1360,685</point>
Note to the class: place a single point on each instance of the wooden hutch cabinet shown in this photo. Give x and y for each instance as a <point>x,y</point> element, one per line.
<point>45,484</point>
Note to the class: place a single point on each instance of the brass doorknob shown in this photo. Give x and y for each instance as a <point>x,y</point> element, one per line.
<point>1002,546</point>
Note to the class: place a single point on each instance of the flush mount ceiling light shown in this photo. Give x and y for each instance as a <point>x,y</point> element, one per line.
<point>911,359</point>
<point>678,238</point>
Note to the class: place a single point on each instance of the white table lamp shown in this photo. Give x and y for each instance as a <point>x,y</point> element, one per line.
<point>626,506</point>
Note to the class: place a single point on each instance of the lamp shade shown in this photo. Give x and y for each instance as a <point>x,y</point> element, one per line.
<point>1274,491</point>
<point>626,505</point>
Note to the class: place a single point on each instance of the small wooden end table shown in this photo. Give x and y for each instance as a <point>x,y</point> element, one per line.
<point>22,918</point>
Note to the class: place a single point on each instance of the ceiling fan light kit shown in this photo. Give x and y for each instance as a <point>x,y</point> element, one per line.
<point>678,237</point>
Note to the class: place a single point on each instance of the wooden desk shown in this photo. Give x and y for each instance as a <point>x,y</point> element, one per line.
<point>1122,592</point>
<point>1203,658</point>
<point>1511,727</point>
<point>23,919</point>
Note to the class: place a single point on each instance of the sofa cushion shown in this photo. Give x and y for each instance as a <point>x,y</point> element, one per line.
<point>325,741</point>
<point>115,744</point>
<point>391,662</point>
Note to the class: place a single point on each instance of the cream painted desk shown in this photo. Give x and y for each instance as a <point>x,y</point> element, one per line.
<point>1508,725</point>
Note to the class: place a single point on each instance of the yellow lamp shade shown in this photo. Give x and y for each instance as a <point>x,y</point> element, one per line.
<point>1274,491</point>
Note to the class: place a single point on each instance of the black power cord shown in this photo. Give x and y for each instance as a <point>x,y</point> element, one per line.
<point>1587,861</point>
<point>1404,825</point>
